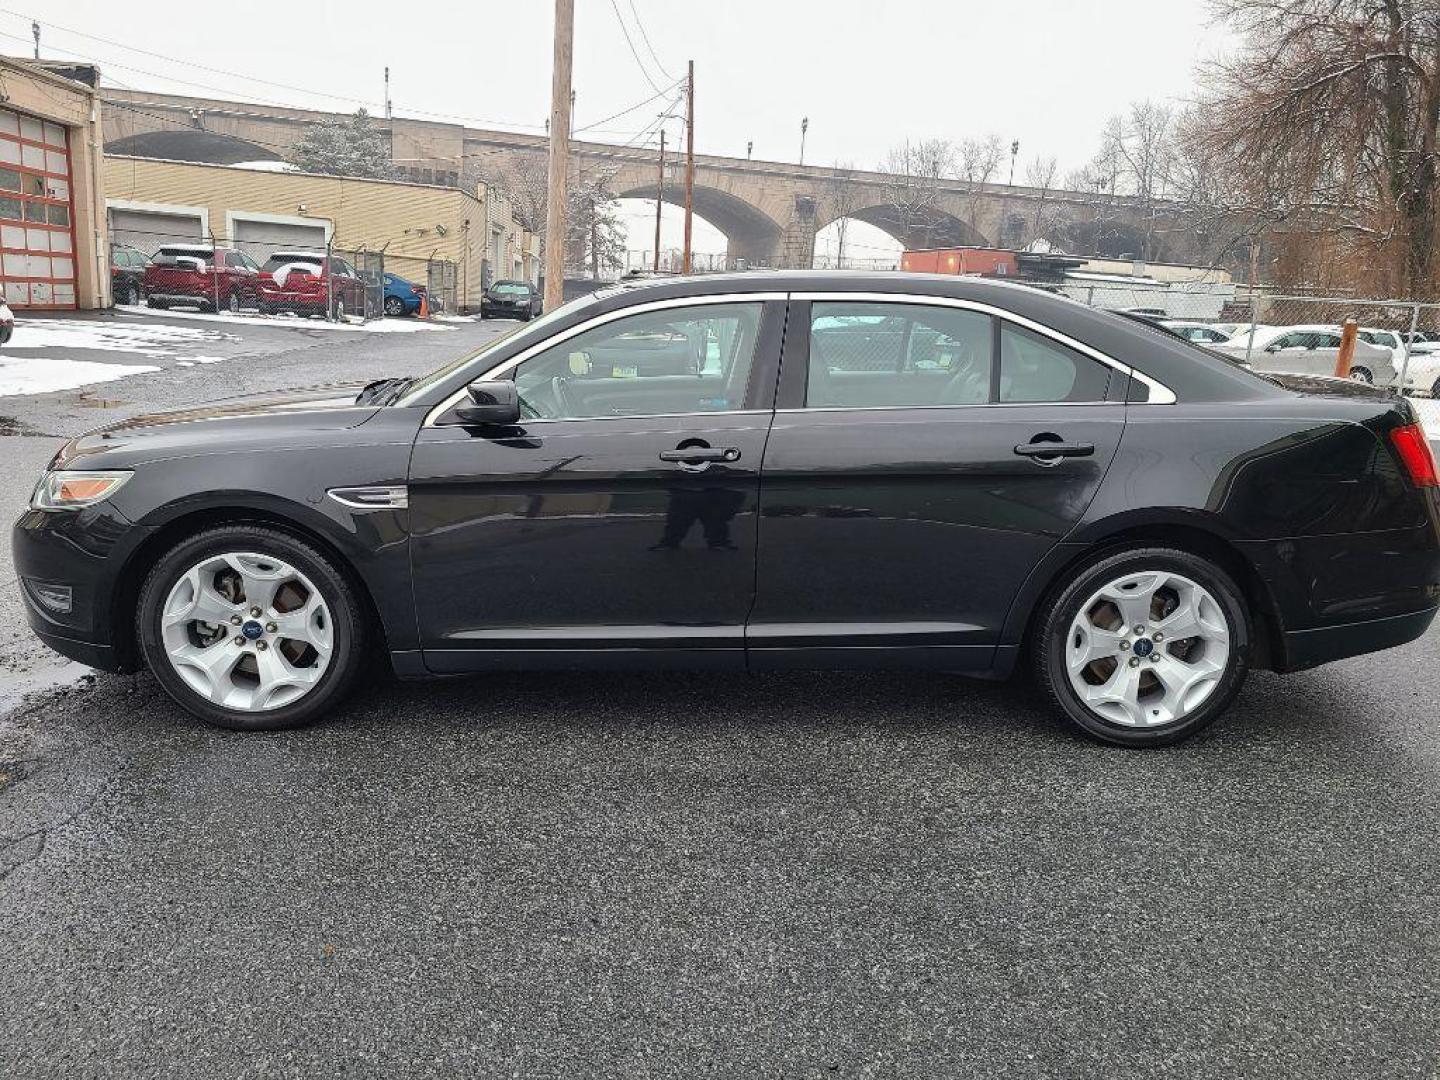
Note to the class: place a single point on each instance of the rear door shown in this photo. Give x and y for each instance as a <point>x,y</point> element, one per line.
<point>909,491</point>
<point>617,521</point>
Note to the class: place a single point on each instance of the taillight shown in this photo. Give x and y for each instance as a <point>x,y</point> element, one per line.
<point>1415,454</point>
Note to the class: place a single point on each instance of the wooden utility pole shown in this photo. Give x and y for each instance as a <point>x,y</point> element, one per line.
<point>659,201</point>
<point>560,101</point>
<point>689,160</point>
<point>1349,331</point>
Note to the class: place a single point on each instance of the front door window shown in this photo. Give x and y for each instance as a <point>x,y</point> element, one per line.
<point>660,363</point>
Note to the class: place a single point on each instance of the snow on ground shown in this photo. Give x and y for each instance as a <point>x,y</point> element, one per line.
<point>293,322</point>
<point>191,361</point>
<point>150,339</point>
<point>27,375</point>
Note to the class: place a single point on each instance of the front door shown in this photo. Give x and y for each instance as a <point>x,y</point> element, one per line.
<point>924,458</point>
<point>619,516</point>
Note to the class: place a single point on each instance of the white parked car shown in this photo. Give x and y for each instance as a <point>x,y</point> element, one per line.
<point>7,321</point>
<point>1308,350</point>
<point>1198,332</point>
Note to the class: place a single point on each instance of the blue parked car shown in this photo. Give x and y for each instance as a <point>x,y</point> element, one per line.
<point>402,297</point>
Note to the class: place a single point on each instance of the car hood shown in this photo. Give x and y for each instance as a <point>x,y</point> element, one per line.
<point>271,419</point>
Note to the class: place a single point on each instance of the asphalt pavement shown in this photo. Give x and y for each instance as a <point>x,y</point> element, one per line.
<point>697,875</point>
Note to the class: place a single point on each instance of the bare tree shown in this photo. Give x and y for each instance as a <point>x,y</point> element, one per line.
<point>844,199</point>
<point>1040,174</point>
<point>596,239</point>
<point>913,174</point>
<point>977,163</point>
<point>525,179</point>
<point>1328,116</point>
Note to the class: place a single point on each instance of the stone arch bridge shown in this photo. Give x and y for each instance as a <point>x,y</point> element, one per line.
<point>769,211</point>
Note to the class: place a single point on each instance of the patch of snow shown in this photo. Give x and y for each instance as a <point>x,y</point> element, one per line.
<point>266,166</point>
<point>151,339</point>
<point>378,326</point>
<point>281,273</point>
<point>455,318</point>
<point>191,361</point>
<point>31,375</point>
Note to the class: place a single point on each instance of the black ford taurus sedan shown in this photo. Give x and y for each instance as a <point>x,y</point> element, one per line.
<point>826,471</point>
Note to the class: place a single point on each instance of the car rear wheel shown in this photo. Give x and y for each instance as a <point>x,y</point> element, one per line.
<point>250,628</point>
<point>152,302</point>
<point>338,310</point>
<point>131,294</point>
<point>1361,374</point>
<point>233,302</point>
<point>1144,647</point>
<point>394,306</point>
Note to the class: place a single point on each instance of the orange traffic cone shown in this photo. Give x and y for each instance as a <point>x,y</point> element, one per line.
<point>424,306</point>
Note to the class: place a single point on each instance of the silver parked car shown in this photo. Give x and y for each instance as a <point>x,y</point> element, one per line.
<point>1308,350</point>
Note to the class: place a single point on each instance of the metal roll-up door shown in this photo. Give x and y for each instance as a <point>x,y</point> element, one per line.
<point>259,238</point>
<point>150,230</point>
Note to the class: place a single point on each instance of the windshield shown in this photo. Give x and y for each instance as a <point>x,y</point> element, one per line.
<point>536,326</point>
<point>510,288</point>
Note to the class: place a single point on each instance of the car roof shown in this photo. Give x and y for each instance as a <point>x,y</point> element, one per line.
<point>297,255</point>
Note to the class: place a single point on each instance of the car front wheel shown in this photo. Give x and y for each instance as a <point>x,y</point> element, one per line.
<point>394,306</point>
<point>1144,647</point>
<point>250,628</point>
<point>1360,374</point>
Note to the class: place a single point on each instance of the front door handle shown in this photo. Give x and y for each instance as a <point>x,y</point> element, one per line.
<point>696,455</point>
<point>1055,449</point>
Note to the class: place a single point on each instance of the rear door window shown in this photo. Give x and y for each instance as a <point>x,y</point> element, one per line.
<point>875,355</point>
<point>1035,369</point>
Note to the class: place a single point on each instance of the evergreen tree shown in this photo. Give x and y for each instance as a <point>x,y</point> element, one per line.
<point>350,147</point>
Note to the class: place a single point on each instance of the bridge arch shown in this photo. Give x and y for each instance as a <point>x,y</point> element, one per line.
<point>750,233</point>
<point>934,228</point>
<point>190,144</point>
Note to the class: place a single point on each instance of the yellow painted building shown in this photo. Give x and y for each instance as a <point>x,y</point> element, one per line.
<point>263,208</point>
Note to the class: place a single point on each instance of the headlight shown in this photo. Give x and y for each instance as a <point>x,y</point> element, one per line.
<point>67,490</point>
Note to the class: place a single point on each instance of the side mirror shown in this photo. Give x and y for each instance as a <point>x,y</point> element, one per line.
<point>491,404</point>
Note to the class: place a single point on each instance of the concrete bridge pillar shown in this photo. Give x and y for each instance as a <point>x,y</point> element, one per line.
<point>798,243</point>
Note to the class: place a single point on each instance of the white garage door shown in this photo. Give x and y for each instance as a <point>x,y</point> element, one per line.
<point>150,230</point>
<point>259,238</point>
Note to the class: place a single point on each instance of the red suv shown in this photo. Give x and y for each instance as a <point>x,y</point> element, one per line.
<point>309,284</point>
<point>180,275</point>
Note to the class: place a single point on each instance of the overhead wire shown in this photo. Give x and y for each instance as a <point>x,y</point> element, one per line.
<point>633,52</point>
<point>640,24</point>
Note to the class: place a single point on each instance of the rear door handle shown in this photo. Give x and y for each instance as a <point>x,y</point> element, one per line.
<point>694,455</point>
<point>1055,449</point>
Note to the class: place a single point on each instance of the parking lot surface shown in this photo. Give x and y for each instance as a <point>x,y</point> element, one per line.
<point>680,875</point>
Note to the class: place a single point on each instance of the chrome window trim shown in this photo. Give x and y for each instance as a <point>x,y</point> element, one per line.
<point>1160,394</point>
<point>589,324</point>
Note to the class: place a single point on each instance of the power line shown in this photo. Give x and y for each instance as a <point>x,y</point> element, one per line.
<point>632,108</point>
<point>640,24</point>
<point>638,62</point>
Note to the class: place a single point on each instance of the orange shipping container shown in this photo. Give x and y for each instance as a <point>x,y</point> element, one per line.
<point>988,262</point>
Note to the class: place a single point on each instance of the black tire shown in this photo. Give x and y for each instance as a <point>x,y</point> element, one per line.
<point>232,302</point>
<point>1362,374</point>
<point>159,305</point>
<point>394,306</point>
<point>132,294</point>
<point>346,610</point>
<point>1048,644</point>
<point>1435,390</point>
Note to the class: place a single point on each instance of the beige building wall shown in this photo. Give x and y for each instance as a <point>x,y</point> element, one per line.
<point>412,223</point>
<point>33,90</point>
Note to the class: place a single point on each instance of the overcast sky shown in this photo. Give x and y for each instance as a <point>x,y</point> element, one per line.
<point>867,74</point>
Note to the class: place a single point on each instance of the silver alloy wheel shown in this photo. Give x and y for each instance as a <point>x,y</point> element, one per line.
<point>247,631</point>
<point>1360,374</point>
<point>1147,649</point>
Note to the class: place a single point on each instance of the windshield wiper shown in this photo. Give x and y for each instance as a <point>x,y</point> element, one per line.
<point>382,391</point>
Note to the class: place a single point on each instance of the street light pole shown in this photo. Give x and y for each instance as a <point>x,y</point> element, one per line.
<point>1014,150</point>
<point>659,201</point>
<point>804,127</point>
<point>689,161</point>
<point>559,154</point>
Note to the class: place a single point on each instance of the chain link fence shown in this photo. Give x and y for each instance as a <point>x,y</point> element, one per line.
<point>1397,345</point>
<point>185,268</point>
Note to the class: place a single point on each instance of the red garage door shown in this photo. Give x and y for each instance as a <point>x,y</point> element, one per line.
<point>37,213</point>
